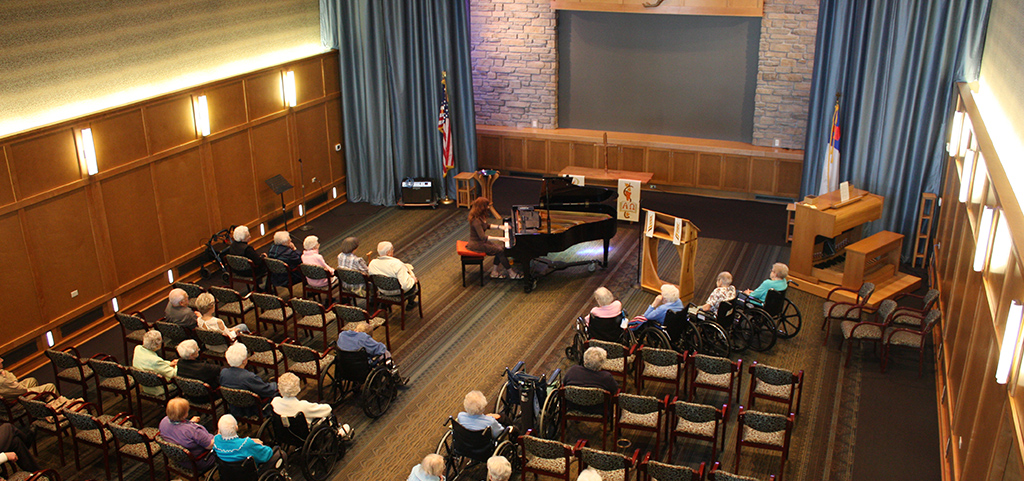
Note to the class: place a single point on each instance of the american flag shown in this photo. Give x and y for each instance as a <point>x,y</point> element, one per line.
<point>444,125</point>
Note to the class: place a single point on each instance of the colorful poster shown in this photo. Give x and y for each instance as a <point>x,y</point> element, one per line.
<point>629,200</point>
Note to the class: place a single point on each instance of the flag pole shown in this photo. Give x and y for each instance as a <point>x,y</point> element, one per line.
<point>444,172</point>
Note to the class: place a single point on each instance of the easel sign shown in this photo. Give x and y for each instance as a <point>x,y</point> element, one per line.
<point>683,234</point>
<point>629,200</point>
<point>577,180</point>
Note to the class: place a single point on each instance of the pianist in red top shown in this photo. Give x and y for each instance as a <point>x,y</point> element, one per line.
<point>479,241</point>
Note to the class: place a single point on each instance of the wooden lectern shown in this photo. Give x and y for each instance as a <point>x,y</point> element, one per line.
<point>683,234</point>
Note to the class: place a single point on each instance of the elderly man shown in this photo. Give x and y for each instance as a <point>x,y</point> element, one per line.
<point>146,357</point>
<point>14,447</point>
<point>11,387</point>
<point>430,469</point>
<point>474,418</point>
<point>177,310</point>
<point>498,469</point>
<point>187,433</point>
<point>240,247</point>
<point>237,377</point>
<point>189,365</point>
<point>358,337</point>
<point>231,448</point>
<point>284,251</point>
<point>289,405</point>
<point>591,375</point>
<point>387,265</point>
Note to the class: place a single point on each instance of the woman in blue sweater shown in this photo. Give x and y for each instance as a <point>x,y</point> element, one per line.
<point>231,448</point>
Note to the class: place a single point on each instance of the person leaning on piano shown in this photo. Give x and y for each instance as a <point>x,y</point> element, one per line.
<point>479,241</point>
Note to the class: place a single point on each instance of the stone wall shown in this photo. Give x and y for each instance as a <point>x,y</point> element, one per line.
<point>514,48</point>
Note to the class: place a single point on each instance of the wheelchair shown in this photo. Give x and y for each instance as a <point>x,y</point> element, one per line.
<point>376,383</point>
<point>527,402</point>
<point>318,447</point>
<point>247,470</point>
<point>602,328</point>
<point>462,448</point>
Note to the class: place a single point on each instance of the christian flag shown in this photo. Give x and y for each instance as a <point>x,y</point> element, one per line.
<point>444,125</point>
<point>830,169</point>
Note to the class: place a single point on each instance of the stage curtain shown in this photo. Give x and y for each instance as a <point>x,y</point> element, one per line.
<point>895,64</point>
<point>392,55</point>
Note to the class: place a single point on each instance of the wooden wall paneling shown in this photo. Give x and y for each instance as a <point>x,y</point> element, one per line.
<point>709,170</point>
<point>332,74</point>
<point>631,159</point>
<point>45,162</point>
<point>736,172</point>
<point>312,147</point>
<point>263,94</point>
<point>659,163</point>
<point>309,80</point>
<point>59,234</point>
<point>684,168</point>
<point>6,185</point>
<point>235,181</point>
<point>512,153</point>
<point>272,156</point>
<point>536,155</point>
<point>584,154</point>
<point>142,292</point>
<point>974,375</point>
<point>789,178</point>
<point>762,175</point>
<point>488,151</point>
<point>119,139</point>
<point>226,104</point>
<point>20,289</point>
<point>991,401</point>
<point>135,237</point>
<point>335,138</point>
<point>171,123</point>
<point>559,155</point>
<point>182,203</point>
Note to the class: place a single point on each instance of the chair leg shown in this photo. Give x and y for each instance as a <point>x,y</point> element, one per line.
<point>463,272</point>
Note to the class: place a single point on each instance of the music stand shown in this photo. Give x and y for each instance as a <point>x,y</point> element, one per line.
<point>279,185</point>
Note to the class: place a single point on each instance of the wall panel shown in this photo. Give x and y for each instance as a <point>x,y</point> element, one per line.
<point>536,155</point>
<point>182,201</point>
<point>232,172</point>
<point>6,186</point>
<point>227,106</point>
<point>560,153</point>
<point>63,249</point>
<point>709,171</point>
<point>512,153</point>
<point>332,84</point>
<point>762,176</point>
<point>309,81</point>
<point>43,163</point>
<point>119,139</point>
<point>335,140</point>
<point>684,168</point>
<point>20,288</point>
<point>659,163</point>
<point>736,172</point>
<point>263,94</point>
<point>135,237</point>
<point>270,158</point>
<point>313,147</point>
<point>170,123</point>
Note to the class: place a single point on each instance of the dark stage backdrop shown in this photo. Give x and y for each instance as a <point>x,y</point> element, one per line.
<point>684,75</point>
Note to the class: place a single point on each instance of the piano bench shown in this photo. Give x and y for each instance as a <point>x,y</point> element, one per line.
<point>470,257</point>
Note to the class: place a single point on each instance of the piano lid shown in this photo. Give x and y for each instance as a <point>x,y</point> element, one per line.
<point>559,190</point>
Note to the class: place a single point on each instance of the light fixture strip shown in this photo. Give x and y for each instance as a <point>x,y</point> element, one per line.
<point>1002,243</point>
<point>290,97</point>
<point>956,126</point>
<point>1009,345</point>
<point>965,176</point>
<point>89,151</point>
<point>984,235</point>
<point>202,115</point>
<point>113,303</point>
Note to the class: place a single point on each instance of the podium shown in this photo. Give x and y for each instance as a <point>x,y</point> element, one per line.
<point>682,233</point>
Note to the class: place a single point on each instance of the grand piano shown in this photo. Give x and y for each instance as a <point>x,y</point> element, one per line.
<point>565,215</point>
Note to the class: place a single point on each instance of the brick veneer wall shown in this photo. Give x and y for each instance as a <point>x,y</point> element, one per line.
<point>514,47</point>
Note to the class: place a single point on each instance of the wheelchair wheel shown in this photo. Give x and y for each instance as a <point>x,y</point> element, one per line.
<point>550,417</point>
<point>762,330</point>
<point>273,475</point>
<point>507,450</point>
<point>575,350</point>
<point>452,463</point>
<point>654,337</point>
<point>506,407</point>
<point>330,384</point>
<point>627,338</point>
<point>266,433</point>
<point>714,340</point>
<point>378,391</point>
<point>321,451</point>
<point>739,333</point>
<point>789,321</point>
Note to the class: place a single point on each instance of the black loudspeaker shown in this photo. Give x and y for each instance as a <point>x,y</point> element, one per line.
<point>418,192</point>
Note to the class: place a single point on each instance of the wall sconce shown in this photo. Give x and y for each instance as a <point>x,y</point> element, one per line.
<point>202,115</point>
<point>334,192</point>
<point>966,130</point>
<point>263,230</point>
<point>300,210</point>
<point>955,128</point>
<point>290,99</point>
<point>1001,245</point>
<point>170,276</point>
<point>980,179</point>
<point>984,235</point>
<point>89,152</point>
<point>113,302</point>
<point>965,176</point>
<point>1009,346</point>
<point>49,338</point>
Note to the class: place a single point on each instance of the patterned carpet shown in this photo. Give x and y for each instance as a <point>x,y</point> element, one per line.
<point>469,335</point>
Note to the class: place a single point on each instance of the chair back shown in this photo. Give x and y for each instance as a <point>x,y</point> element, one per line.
<point>613,349</point>
<point>244,470</point>
<point>193,388</point>
<point>63,360</point>
<point>386,283</point>
<point>772,375</point>
<point>718,475</point>
<point>276,266</point>
<point>193,290</point>
<point>305,307</point>
<point>126,433</point>
<point>82,420</point>
<point>131,322</point>
<point>930,320</point>
<point>213,340</point>
<point>864,293</point>
<point>298,354</point>
<point>766,423</point>
<point>694,412</point>
<point>107,369</point>
<point>290,431</point>
<point>672,472</point>
<point>929,299</point>
<point>713,365</point>
<point>44,475</point>
<point>225,296</point>
<point>348,314</point>
<point>350,276</point>
<point>637,404</point>
<point>661,357</point>
<point>674,323</point>
<point>268,302</point>
<point>242,400</point>
<point>241,267</point>
<point>885,310</point>
<point>476,445</point>
<point>172,333</point>
<point>180,456</point>
<point>584,396</point>
<point>255,344</point>
<point>39,410</point>
<point>314,272</point>
<point>605,462</point>
<point>726,311</point>
<point>607,329</point>
<point>149,379</point>
<point>354,366</point>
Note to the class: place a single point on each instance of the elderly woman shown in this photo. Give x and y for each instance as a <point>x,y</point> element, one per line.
<point>668,300</point>
<point>430,469</point>
<point>589,474</point>
<point>607,306</point>
<point>358,337</point>
<point>177,310</point>
<point>311,256</point>
<point>776,281</point>
<point>591,375</point>
<point>474,419</point>
<point>498,469</point>
<point>724,291</point>
<point>284,251</point>
<point>187,433</point>
<point>231,448</point>
<point>147,359</point>
<point>288,405</point>
<point>189,365</point>
<point>205,305</point>
<point>479,241</point>
<point>237,377</point>
<point>240,247</point>
<point>348,259</point>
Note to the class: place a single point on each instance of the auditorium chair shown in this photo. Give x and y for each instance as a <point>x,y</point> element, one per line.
<point>764,431</point>
<point>311,316</point>
<point>241,270</point>
<point>379,282</point>
<point>775,384</point>
<point>231,304</point>
<point>608,464</point>
<point>654,471</point>
<point>272,310</point>
<point>88,427</point>
<point>68,366</point>
<point>113,378</point>
<point>870,330</point>
<point>135,441</point>
<point>845,311</point>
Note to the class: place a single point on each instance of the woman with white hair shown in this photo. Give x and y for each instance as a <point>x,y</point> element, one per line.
<point>591,375</point>
<point>776,281</point>
<point>146,357</point>
<point>232,449</point>
<point>667,301</point>
<point>289,405</point>
<point>236,376</point>
<point>311,256</point>
<point>607,306</point>
<point>474,419</point>
<point>189,365</point>
<point>205,305</point>
<point>589,474</point>
<point>498,469</point>
<point>724,291</point>
<point>430,469</point>
<point>240,247</point>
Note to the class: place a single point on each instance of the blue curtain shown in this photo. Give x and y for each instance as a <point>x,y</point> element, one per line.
<point>895,63</point>
<point>392,55</point>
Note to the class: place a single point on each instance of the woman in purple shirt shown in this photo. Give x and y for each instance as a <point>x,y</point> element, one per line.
<point>187,433</point>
